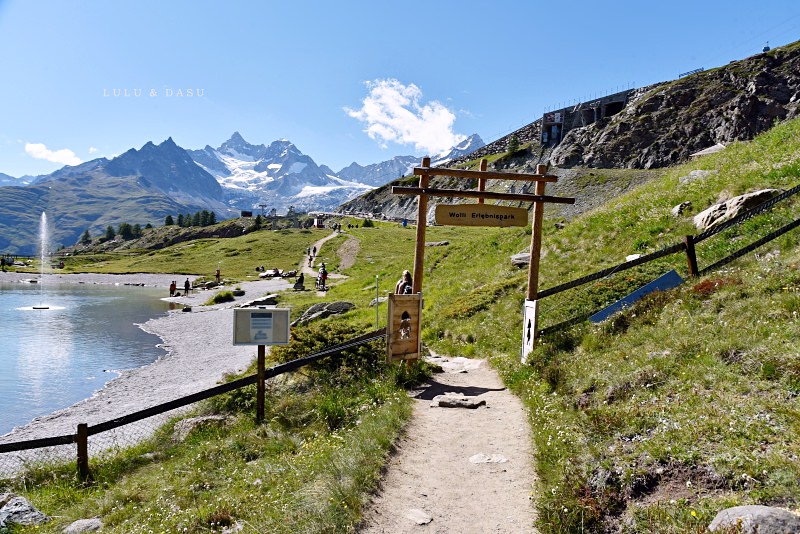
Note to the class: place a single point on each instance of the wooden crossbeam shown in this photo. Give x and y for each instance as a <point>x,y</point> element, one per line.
<point>489,175</point>
<point>468,193</point>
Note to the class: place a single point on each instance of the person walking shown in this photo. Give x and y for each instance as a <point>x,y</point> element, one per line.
<point>323,277</point>
<point>186,286</point>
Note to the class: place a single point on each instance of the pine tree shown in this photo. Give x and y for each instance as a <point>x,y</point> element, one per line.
<point>169,221</point>
<point>86,238</point>
<point>110,234</point>
<point>125,231</point>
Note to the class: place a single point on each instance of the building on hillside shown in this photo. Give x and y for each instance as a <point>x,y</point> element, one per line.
<point>556,124</point>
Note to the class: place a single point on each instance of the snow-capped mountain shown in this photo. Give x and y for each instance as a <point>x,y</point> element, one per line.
<point>381,173</point>
<point>8,180</point>
<point>468,145</point>
<point>278,175</point>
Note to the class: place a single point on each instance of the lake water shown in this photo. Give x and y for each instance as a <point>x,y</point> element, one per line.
<point>53,358</point>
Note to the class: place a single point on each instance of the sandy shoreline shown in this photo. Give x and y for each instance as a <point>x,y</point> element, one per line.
<point>199,353</point>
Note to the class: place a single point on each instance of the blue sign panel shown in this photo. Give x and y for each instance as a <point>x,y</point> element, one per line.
<point>662,283</point>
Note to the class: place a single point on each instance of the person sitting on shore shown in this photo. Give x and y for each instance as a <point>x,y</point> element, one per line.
<point>299,284</point>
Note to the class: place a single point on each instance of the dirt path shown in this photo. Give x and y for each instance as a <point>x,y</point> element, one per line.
<point>459,470</point>
<point>311,271</point>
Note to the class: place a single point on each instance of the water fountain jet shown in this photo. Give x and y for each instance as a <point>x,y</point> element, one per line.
<point>42,258</point>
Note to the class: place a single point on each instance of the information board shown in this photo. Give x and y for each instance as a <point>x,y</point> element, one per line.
<point>261,326</point>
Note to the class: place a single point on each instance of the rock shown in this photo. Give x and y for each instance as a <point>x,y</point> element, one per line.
<point>437,244</point>
<point>379,300</point>
<point>456,401</point>
<point>755,519</point>
<point>695,175</point>
<point>481,458</point>
<point>719,213</point>
<point>419,516</point>
<point>238,292</point>
<point>521,260</point>
<point>84,525</point>
<point>266,300</point>
<point>681,208</point>
<point>322,310</point>
<point>19,511</point>
<point>186,309</point>
<point>185,427</point>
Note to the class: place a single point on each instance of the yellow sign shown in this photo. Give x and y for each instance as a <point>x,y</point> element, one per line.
<point>480,215</point>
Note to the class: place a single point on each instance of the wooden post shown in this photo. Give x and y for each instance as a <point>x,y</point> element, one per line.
<point>691,256</point>
<point>536,238</point>
<point>83,454</point>
<point>422,210</point>
<point>260,385</point>
<point>482,181</point>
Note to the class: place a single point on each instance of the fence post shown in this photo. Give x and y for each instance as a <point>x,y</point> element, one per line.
<point>83,454</point>
<point>260,385</point>
<point>691,255</point>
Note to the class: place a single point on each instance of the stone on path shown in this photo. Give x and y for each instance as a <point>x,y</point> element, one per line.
<point>456,401</point>
<point>481,458</point>
<point>418,516</point>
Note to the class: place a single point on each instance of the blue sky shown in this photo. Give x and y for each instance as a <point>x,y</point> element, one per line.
<point>344,81</point>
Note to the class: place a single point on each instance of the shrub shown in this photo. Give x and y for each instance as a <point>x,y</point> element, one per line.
<point>219,298</point>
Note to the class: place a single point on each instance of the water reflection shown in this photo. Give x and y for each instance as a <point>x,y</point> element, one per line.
<point>53,358</point>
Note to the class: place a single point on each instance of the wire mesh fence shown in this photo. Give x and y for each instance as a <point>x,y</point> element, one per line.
<point>101,447</point>
<point>103,441</point>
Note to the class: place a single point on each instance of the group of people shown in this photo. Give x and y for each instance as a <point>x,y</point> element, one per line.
<point>173,288</point>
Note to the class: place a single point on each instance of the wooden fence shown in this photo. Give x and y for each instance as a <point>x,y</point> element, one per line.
<point>687,246</point>
<point>84,431</point>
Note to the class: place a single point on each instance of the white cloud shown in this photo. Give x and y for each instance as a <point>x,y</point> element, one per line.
<point>64,156</point>
<point>393,112</point>
<point>93,150</point>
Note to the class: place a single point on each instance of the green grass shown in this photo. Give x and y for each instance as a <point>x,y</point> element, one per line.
<point>237,257</point>
<point>680,406</point>
<point>307,468</point>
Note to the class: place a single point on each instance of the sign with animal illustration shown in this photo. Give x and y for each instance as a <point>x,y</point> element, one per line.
<point>402,331</point>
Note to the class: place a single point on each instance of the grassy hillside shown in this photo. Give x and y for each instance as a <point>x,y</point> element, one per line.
<point>652,422</point>
<point>683,405</point>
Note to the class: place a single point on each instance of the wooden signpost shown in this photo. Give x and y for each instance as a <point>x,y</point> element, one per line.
<point>482,214</point>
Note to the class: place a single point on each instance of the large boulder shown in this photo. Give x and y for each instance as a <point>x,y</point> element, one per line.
<point>724,211</point>
<point>185,427</point>
<point>16,510</point>
<point>322,310</point>
<point>756,520</point>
